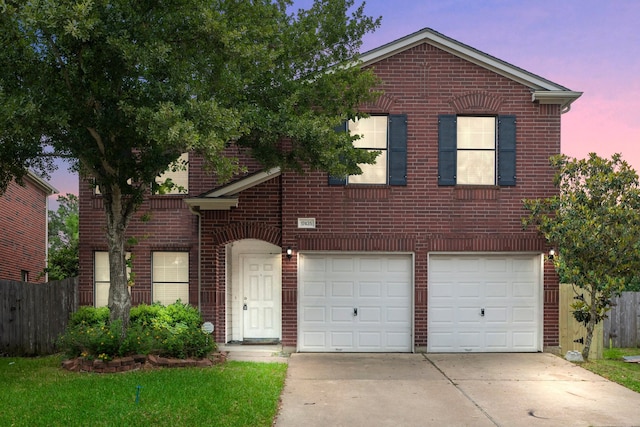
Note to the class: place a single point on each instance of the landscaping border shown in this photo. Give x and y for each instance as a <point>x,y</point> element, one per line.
<point>139,361</point>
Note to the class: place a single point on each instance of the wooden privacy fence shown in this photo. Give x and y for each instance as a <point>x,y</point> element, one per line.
<point>32,316</point>
<point>621,327</point>
<point>572,332</point>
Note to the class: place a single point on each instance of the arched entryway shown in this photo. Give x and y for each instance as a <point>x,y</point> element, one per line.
<point>254,291</point>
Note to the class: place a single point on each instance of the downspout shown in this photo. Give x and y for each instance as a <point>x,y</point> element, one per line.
<point>196,212</point>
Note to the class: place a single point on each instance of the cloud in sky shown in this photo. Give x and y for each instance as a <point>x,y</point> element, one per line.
<point>592,46</point>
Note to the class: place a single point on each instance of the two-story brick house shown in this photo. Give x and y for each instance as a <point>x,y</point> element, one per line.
<point>24,216</point>
<point>424,250</point>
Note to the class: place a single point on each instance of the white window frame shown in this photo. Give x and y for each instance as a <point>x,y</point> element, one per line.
<point>477,150</point>
<point>374,136</point>
<point>170,282</point>
<point>99,298</point>
<point>179,176</point>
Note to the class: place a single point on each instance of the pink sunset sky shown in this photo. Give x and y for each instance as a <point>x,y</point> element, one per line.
<point>590,46</point>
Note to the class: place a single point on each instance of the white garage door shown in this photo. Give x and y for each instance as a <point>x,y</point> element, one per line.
<point>480,303</point>
<point>355,303</point>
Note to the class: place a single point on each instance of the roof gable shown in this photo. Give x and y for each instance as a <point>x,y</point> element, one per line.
<point>543,90</point>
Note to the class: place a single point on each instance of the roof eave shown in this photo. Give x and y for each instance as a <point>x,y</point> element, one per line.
<point>562,98</point>
<point>245,183</point>
<point>212,204</point>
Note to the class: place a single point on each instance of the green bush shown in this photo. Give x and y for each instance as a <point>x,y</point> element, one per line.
<point>90,316</point>
<point>172,331</point>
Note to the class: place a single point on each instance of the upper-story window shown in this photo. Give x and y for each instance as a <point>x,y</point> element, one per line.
<point>477,150</point>
<point>373,137</point>
<point>387,134</point>
<point>179,175</point>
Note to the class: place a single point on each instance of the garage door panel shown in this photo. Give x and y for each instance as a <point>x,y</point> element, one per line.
<point>370,289</point>
<point>507,287</point>
<point>341,289</point>
<point>341,314</point>
<point>496,341</point>
<point>314,314</point>
<point>314,340</point>
<point>380,287</point>
<point>342,340</point>
<point>370,314</point>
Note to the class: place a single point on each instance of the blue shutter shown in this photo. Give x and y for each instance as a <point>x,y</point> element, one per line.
<point>447,139</point>
<point>339,180</point>
<point>507,150</point>
<point>397,149</point>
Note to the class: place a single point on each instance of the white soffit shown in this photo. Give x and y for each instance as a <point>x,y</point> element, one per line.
<point>243,184</point>
<point>208,204</point>
<point>223,198</point>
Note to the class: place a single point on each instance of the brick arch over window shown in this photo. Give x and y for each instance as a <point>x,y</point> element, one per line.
<point>476,102</point>
<point>383,104</point>
<point>234,232</point>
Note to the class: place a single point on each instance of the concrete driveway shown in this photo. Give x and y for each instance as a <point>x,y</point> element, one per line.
<point>533,389</point>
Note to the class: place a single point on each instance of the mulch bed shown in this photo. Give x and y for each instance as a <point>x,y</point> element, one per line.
<point>137,362</point>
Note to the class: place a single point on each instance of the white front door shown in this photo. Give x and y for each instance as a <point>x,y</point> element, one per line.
<point>261,286</point>
<point>484,303</point>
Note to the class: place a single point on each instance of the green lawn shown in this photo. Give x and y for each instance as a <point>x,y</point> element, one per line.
<point>37,392</point>
<point>614,368</point>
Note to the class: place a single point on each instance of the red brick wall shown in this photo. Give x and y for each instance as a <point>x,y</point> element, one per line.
<point>421,217</point>
<point>23,232</point>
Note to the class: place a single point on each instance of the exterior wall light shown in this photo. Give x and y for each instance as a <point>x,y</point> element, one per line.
<point>289,252</point>
<point>552,254</point>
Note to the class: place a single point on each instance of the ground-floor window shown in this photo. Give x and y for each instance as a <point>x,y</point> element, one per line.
<point>170,277</point>
<point>102,277</point>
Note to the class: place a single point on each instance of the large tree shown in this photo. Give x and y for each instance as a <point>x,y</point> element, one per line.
<point>125,87</point>
<point>594,224</point>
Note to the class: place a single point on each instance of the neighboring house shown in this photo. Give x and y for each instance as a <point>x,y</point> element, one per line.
<point>424,250</point>
<point>24,218</point>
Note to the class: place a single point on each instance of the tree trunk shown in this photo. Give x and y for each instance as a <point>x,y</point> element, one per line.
<point>119,298</point>
<point>591,325</point>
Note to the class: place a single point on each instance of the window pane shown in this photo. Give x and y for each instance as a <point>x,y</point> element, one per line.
<point>101,267</point>
<point>101,297</point>
<point>168,293</point>
<point>372,174</point>
<point>102,278</point>
<point>476,167</point>
<point>170,267</point>
<point>372,131</point>
<point>180,178</point>
<point>476,132</point>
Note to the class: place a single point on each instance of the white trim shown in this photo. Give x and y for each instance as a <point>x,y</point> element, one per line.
<point>427,35</point>
<point>243,184</point>
<point>206,204</point>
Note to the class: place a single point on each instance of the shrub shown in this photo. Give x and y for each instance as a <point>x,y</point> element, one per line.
<point>172,331</point>
<point>90,316</point>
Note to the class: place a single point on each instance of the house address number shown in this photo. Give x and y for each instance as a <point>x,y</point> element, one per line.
<point>306,223</point>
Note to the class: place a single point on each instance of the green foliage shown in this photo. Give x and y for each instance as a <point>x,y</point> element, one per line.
<point>594,224</point>
<point>126,87</point>
<point>90,316</point>
<point>171,331</point>
<point>64,225</point>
